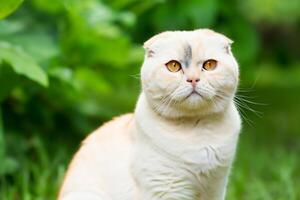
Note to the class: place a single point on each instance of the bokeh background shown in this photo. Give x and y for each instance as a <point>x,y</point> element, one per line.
<point>66,66</point>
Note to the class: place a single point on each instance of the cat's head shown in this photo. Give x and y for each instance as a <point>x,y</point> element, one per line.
<point>189,73</point>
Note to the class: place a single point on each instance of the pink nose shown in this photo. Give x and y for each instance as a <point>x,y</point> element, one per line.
<point>193,81</point>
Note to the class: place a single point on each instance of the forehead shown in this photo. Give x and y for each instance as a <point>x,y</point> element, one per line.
<point>187,43</point>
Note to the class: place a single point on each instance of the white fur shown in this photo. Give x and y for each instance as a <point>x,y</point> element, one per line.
<point>173,147</point>
<point>179,160</point>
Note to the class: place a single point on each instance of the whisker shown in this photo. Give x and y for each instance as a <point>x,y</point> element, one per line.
<point>241,104</point>
<point>249,101</point>
<point>247,107</point>
<point>168,100</point>
<point>244,115</point>
<point>244,96</point>
<point>136,76</point>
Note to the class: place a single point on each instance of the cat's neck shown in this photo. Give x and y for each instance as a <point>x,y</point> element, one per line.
<point>184,137</point>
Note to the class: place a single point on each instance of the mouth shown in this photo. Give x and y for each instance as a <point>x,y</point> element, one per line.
<point>193,93</point>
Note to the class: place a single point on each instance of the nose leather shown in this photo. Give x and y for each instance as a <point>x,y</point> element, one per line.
<point>193,81</point>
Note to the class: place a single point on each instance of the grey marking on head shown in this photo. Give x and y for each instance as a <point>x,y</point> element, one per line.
<point>187,57</point>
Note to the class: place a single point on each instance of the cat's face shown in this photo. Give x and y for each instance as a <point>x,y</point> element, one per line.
<point>189,73</point>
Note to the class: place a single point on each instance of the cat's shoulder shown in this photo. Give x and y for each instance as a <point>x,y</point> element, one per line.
<point>117,128</point>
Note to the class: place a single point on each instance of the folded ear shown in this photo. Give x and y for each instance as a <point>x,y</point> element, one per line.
<point>156,38</point>
<point>227,42</point>
<point>224,39</point>
<point>228,46</point>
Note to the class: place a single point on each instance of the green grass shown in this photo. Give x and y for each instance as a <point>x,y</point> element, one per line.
<point>266,168</point>
<point>37,173</point>
<point>264,172</point>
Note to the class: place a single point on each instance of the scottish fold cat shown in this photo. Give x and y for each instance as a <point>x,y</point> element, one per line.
<point>180,142</point>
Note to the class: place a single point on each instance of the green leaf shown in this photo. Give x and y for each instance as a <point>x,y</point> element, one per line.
<point>22,63</point>
<point>8,6</point>
<point>40,45</point>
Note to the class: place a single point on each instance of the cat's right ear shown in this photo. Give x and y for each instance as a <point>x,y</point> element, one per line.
<point>149,44</point>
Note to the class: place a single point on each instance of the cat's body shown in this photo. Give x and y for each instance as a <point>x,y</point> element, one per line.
<point>181,151</point>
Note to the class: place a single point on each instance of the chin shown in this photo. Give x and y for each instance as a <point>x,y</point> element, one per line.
<point>193,107</point>
<point>194,101</point>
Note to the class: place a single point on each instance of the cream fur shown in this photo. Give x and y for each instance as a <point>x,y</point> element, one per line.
<point>172,147</point>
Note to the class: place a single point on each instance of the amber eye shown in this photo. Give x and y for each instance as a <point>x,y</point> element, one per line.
<point>173,66</point>
<point>210,65</point>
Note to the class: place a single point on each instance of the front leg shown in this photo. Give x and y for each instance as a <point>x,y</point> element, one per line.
<point>216,184</point>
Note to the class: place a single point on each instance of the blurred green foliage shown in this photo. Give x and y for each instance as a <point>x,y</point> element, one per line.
<point>8,7</point>
<point>68,65</point>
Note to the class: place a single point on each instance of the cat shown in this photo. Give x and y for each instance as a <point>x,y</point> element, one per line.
<point>180,142</point>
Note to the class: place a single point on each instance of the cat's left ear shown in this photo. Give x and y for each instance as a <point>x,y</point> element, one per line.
<point>227,42</point>
<point>149,44</point>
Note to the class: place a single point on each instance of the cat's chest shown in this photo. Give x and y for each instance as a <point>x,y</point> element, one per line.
<point>161,174</point>
<point>158,178</point>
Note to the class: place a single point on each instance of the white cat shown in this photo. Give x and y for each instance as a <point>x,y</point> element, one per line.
<point>180,142</point>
